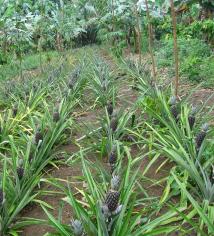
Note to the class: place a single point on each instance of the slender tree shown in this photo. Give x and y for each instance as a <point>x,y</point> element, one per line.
<point>138,27</point>
<point>113,19</point>
<point>150,39</point>
<point>173,13</point>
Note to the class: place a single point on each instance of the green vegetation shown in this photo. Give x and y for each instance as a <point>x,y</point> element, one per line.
<point>196,60</point>
<point>105,93</point>
<point>30,63</point>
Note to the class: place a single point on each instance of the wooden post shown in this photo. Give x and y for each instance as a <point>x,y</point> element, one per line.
<point>175,47</point>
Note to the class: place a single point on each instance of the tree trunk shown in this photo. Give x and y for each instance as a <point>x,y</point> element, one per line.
<point>128,38</point>
<point>138,31</point>
<point>58,42</point>
<point>175,47</point>
<point>150,40</point>
<point>113,21</point>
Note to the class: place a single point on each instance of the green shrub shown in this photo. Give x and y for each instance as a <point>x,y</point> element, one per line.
<point>196,60</point>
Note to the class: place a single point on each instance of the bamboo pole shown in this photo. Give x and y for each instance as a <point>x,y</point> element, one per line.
<point>175,47</point>
<point>150,39</point>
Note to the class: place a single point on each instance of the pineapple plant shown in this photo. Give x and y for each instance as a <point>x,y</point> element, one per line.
<point>74,77</point>
<point>38,136</point>
<point>112,200</point>
<point>56,116</point>
<point>115,182</point>
<point>127,138</point>
<point>112,197</point>
<point>77,227</point>
<point>71,84</point>
<point>31,156</point>
<point>110,108</point>
<point>104,86</point>
<point>111,205</point>
<point>114,124</point>
<point>113,157</point>
<point>15,111</point>
<point>191,117</point>
<point>173,108</point>
<point>201,135</point>
<point>20,172</point>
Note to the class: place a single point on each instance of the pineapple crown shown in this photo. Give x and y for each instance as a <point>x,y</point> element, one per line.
<point>107,213</point>
<point>193,110</point>
<point>20,162</point>
<point>205,127</point>
<point>115,182</point>
<point>172,101</point>
<point>56,108</point>
<point>15,107</point>
<point>38,128</point>
<point>77,227</point>
<point>114,148</point>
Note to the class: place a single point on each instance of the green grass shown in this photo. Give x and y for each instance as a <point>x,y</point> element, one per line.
<point>30,62</point>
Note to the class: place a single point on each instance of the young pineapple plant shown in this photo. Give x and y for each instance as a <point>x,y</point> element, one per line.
<point>75,75</point>
<point>201,135</point>
<point>102,83</point>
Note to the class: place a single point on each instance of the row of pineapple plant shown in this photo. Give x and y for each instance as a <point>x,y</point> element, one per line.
<point>157,118</point>
<point>20,101</point>
<point>181,133</point>
<point>110,201</point>
<point>33,147</point>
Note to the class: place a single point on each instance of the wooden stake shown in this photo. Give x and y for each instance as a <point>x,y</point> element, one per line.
<point>175,47</point>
